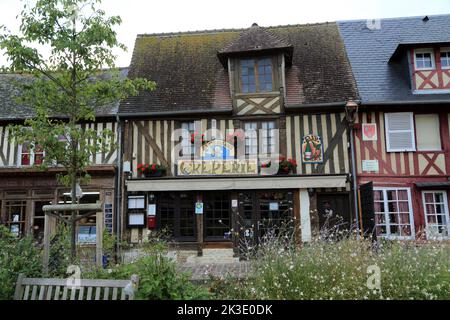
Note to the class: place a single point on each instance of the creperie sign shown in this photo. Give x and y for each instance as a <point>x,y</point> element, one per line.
<point>217,167</point>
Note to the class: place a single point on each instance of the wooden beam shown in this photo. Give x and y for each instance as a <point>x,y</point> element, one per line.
<point>73,207</point>
<point>154,145</point>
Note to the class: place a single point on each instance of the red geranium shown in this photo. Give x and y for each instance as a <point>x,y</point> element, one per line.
<point>285,166</point>
<point>195,134</point>
<point>145,168</point>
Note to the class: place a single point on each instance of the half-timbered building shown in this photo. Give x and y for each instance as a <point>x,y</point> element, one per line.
<point>402,70</point>
<point>25,189</point>
<point>287,85</point>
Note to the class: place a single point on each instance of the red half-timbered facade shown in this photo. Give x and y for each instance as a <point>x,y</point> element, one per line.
<point>401,132</point>
<point>415,173</point>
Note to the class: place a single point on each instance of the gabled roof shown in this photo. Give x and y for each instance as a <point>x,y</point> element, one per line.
<point>254,39</point>
<point>10,90</point>
<point>191,78</point>
<point>379,78</point>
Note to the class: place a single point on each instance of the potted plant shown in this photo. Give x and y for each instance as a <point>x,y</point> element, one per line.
<point>285,166</point>
<point>151,170</point>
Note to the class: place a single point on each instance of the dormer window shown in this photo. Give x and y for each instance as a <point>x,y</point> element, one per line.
<point>256,75</point>
<point>445,58</point>
<point>424,59</point>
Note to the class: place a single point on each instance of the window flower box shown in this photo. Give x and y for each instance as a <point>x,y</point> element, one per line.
<point>286,166</point>
<point>151,170</point>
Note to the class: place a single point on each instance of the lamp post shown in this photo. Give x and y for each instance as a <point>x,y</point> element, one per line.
<point>351,110</point>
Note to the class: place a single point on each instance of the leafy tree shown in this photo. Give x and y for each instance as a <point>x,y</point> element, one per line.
<point>69,87</point>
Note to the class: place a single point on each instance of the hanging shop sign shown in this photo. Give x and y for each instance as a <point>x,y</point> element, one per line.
<point>369,132</point>
<point>217,158</point>
<point>312,149</point>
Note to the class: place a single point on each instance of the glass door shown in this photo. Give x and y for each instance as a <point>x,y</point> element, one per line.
<point>217,216</point>
<point>275,214</point>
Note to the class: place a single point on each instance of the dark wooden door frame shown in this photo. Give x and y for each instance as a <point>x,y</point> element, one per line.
<point>346,196</point>
<point>177,214</point>
<point>216,239</point>
<point>256,204</point>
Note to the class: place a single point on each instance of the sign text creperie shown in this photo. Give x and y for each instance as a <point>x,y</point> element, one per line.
<point>217,167</point>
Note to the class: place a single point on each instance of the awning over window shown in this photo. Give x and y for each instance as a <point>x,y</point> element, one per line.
<point>237,183</point>
<point>444,185</point>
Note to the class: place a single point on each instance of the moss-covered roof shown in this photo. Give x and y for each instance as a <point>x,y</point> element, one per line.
<point>10,90</point>
<point>190,76</point>
<point>255,39</point>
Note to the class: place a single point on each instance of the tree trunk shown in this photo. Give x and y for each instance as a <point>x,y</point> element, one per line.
<point>73,239</point>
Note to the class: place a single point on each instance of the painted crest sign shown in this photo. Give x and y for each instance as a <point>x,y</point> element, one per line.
<point>369,132</point>
<point>312,149</point>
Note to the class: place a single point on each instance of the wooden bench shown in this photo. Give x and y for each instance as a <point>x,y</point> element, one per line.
<point>86,289</point>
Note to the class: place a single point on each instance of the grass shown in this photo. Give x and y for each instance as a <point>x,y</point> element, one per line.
<point>345,269</point>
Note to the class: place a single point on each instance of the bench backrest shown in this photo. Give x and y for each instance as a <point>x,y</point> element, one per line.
<point>86,289</point>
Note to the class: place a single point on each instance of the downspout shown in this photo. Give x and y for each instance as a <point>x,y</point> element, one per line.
<point>119,185</point>
<point>351,110</point>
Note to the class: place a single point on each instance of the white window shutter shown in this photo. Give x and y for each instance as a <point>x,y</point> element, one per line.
<point>400,132</point>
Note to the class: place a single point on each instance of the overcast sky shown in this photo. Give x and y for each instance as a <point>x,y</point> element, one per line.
<point>146,16</point>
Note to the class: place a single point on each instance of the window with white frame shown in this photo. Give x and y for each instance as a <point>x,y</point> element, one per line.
<point>187,144</point>
<point>393,213</point>
<point>251,138</point>
<point>445,58</point>
<point>424,59</point>
<point>400,132</point>
<point>29,155</point>
<point>268,137</point>
<point>264,132</point>
<point>436,214</point>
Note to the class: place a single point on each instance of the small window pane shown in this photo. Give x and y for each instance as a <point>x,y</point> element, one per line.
<point>424,60</point>
<point>248,76</point>
<point>445,59</point>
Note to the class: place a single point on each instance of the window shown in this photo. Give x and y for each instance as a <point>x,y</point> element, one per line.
<point>188,147</point>
<point>400,132</point>
<point>268,137</point>
<point>445,58</point>
<point>428,132</point>
<point>265,132</point>
<point>256,75</point>
<point>30,156</point>
<point>424,59</point>
<point>436,214</point>
<point>393,213</point>
<point>251,138</point>
<point>16,217</point>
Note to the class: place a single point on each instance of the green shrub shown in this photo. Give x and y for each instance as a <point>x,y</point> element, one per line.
<point>59,256</point>
<point>339,270</point>
<point>16,256</point>
<point>158,277</point>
